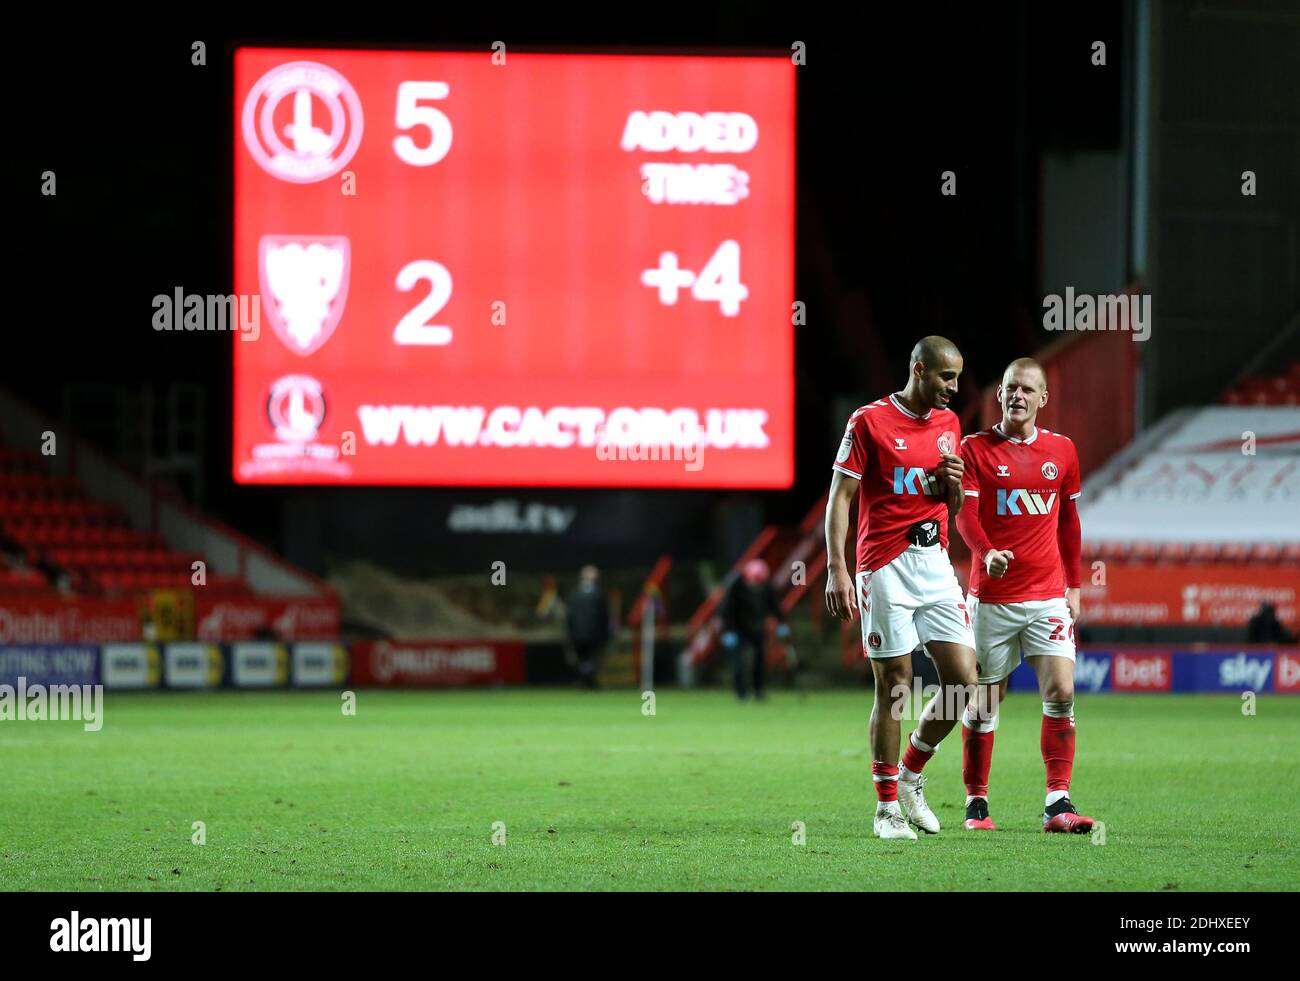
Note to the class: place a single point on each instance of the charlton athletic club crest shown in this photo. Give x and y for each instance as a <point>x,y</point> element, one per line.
<point>873,639</point>
<point>295,407</point>
<point>302,122</point>
<point>1049,470</point>
<point>947,441</point>
<point>304,286</point>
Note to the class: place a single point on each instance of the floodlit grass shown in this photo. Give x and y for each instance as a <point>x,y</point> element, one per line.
<point>594,795</point>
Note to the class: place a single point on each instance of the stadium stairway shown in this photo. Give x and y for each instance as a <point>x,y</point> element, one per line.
<point>796,556</point>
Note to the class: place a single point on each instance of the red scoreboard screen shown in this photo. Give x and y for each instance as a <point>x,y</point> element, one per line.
<point>502,268</point>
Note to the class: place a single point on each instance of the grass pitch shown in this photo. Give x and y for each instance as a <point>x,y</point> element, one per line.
<point>594,795</point>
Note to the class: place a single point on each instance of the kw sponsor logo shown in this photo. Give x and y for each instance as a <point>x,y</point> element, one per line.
<point>1012,501</point>
<point>915,480</point>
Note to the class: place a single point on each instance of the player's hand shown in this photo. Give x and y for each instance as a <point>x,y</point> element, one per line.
<point>996,562</point>
<point>950,469</point>
<point>840,597</point>
<point>1072,602</point>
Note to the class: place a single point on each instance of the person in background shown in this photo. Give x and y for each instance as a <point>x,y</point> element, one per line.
<point>587,617</point>
<point>749,601</point>
<point>550,608</point>
<point>1266,628</point>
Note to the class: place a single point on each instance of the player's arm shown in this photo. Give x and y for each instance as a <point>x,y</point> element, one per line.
<point>969,526</point>
<point>1069,539</point>
<point>840,598</point>
<point>972,532</point>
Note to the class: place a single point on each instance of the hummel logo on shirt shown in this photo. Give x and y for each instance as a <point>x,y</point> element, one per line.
<point>900,443</point>
<point>1003,471</point>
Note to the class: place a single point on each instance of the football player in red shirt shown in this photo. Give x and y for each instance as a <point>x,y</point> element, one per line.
<point>899,455</point>
<point>1024,590</point>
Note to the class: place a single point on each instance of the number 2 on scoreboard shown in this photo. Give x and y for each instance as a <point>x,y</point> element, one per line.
<point>414,328</point>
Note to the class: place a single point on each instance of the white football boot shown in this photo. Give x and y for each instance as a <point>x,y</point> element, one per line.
<point>911,794</point>
<point>889,823</point>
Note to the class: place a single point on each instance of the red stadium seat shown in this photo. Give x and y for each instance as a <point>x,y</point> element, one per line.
<point>1113,550</point>
<point>1144,552</point>
<point>1174,551</point>
<point>50,520</point>
<point>1265,552</point>
<point>1234,552</point>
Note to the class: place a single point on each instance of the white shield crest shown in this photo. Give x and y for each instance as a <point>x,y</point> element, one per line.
<point>304,286</point>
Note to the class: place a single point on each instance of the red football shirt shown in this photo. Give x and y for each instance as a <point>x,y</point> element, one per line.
<point>893,452</point>
<point>1020,485</point>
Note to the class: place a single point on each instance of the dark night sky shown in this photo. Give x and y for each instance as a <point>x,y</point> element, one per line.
<point>141,142</point>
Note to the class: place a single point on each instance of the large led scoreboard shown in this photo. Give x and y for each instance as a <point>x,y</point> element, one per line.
<point>499,268</point>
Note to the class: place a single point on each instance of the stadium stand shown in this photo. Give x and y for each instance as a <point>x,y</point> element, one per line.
<point>1282,389</point>
<point>1193,526</point>
<point>1233,472</point>
<point>64,536</point>
<point>91,552</point>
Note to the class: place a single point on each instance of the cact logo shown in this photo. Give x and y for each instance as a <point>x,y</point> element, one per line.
<point>914,480</point>
<point>1011,502</point>
<point>1090,672</point>
<point>1245,672</point>
<point>296,408</point>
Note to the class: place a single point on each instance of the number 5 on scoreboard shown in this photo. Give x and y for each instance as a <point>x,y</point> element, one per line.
<point>411,114</point>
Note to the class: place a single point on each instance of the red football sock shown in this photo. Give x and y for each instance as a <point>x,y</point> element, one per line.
<point>915,759</point>
<point>885,776</point>
<point>1057,743</point>
<point>976,758</point>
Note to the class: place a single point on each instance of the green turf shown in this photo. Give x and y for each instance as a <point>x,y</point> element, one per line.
<point>596,795</point>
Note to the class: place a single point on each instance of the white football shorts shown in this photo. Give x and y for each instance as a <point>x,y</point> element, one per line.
<point>1040,627</point>
<point>911,601</point>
